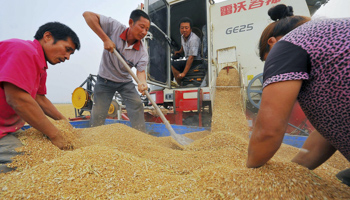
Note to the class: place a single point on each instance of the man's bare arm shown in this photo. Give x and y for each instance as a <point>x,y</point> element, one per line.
<point>93,21</point>
<point>142,86</point>
<point>29,110</point>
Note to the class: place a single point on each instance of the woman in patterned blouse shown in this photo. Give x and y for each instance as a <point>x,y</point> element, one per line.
<point>309,62</point>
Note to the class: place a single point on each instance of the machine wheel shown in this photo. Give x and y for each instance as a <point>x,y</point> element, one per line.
<point>254,90</point>
<point>79,97</point>
<point>113,109</point>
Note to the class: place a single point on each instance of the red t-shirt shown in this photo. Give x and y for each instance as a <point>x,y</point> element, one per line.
<point>22,63</point>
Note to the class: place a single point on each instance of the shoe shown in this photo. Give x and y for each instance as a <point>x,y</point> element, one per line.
<point>174,84</point>
<point>344,176</point>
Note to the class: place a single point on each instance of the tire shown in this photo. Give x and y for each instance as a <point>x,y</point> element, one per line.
<point>113,109</point>
<point>255,92</point>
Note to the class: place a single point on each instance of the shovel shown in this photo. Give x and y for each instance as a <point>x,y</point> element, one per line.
<point>182,140</point>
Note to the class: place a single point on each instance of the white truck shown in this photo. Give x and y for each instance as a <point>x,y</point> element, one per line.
<point>230,32</point>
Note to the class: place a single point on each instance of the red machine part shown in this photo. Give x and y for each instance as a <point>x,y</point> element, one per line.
<point>297,118</point>
<point>228,68</point>
<point>158,97</point>
<point>187,107</point>
<point>187,100</point>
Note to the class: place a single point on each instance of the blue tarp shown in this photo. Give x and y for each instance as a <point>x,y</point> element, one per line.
<point>294,140</point>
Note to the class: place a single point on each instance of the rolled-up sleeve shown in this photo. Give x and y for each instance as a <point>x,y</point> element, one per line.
<point>286,61</point>
<point>109,24</point>
<point>143,62</point>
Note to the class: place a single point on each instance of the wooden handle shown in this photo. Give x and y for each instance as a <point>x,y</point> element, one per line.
<point>159,112</point>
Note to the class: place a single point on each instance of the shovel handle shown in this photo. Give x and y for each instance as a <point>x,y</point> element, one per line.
<point>159,112</point>
<point>121,59</point>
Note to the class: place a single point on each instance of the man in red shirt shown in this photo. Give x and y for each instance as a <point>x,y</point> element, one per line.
<point>23,66</point>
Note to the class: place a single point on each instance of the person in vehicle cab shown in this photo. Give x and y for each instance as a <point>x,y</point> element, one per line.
<point>190,46</point>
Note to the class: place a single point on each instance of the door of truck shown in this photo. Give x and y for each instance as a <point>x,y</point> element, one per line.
<point>158,44</point>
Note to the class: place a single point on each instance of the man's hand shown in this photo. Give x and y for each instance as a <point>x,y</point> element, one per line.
<point>109,45</point>
<point>142,84</point>
<point>178,52</point>
<point>59,141</point>
<point>181,75</point>
<point>142,87</point>
<point>30,111</point>
<point>93,21</point>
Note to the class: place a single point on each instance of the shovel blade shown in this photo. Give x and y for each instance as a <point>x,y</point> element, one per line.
<point>182,140</point>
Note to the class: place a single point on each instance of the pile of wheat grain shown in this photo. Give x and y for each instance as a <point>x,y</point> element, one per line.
<point>68,110</point>
<point>117,162</point>
<point>228,114</point>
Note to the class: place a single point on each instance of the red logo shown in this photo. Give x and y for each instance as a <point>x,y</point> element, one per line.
<point>245,5</point>
<point>226,10</point>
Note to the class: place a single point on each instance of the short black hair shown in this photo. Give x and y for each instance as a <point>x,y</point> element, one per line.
<point>185,20</point>
<point>59,31</point>
<point>136,14</point>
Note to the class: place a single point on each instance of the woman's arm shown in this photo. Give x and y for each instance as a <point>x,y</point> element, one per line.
<point>315,151</point>
<point>276,105</point>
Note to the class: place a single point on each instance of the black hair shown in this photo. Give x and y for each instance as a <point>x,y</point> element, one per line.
<point>284,22</point>
<point>58,31</point>
<point>185,20</point>
<point>280,11</point>
<point>136,14</point>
